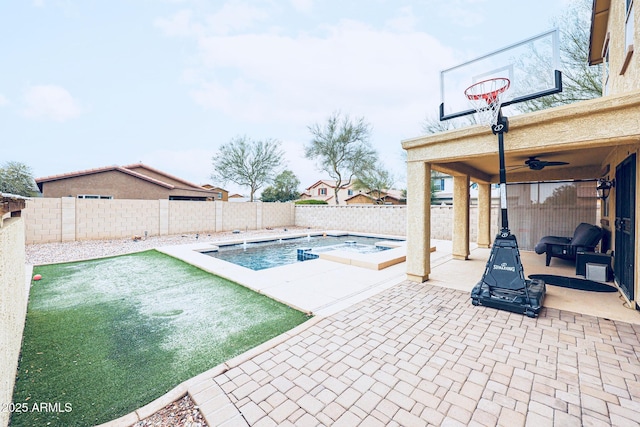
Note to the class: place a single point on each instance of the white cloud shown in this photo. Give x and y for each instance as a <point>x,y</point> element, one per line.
<point>404,21</point>
<point>235,16</point>
<point>3,100</point>
<point>231,17</point>
<point>353,67</point>
<point>304,6</point>
<point>50,102</point>
<point>193,165</point>
<point>179,24</point>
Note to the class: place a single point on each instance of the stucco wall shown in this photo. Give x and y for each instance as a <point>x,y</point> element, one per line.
<point>13,306</point>
<point>618,48</point>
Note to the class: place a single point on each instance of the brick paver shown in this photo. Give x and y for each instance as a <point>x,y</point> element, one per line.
<point>419,355</point>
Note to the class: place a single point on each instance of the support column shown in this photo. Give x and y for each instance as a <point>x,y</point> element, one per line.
<point>418,221</point>
<point>484,215</point>
<point>164,215</point>
<point>68,213</point>
<point>461,217</point>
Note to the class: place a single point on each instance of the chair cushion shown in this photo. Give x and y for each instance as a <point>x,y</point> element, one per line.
<point>586,235</point>
<point>541,247</point>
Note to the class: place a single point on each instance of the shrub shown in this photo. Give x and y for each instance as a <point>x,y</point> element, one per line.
<point>311,202</point>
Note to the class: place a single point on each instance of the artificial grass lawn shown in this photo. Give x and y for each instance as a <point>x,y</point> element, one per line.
<point>105,337</point>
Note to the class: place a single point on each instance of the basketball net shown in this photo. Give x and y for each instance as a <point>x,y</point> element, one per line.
<point>486,98</point>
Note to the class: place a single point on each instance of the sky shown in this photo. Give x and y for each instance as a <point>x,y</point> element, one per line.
<point>93,83</point>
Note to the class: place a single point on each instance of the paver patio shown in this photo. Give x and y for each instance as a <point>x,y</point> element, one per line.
<point>419,354</point>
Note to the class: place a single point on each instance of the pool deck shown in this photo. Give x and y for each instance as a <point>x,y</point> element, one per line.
<point>322,286</point>
<point>418,354</point>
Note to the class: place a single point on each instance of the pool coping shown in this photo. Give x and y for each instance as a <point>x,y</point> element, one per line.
<point>375,261</point>
<point>288,283</point>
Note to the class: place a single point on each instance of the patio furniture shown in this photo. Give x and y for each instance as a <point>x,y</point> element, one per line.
<point>585,239</point>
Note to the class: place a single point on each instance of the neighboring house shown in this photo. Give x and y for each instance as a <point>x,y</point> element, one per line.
<point>238,198</point>
<point>325,190</point>
<point>599,139</point>
<point>443,190</point>
<point>136,181</point>
<point>221,194</point>
<point>386,197</point>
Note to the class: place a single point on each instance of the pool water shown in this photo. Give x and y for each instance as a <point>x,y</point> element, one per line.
<point>274,253</point>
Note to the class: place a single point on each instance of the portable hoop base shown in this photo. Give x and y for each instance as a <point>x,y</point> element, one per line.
<point>503,285</point>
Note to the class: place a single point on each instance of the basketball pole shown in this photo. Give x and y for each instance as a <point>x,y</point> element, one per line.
<point>500,128</point>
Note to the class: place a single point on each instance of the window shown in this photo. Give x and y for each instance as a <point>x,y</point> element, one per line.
<point>628,36</point>
<point>605,65</point>
<point>628,39</point>
<point>540,209</point>
<point>93,196</point>
<point>219,196</point>
<point>350,192</point>
<point>322,191</point>
<point>438,184</point>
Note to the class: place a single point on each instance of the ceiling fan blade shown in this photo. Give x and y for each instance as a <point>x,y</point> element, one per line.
<point>555,163</point>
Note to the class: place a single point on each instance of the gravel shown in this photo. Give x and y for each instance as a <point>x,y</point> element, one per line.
<point>51,253</point>
<point>181,413</point>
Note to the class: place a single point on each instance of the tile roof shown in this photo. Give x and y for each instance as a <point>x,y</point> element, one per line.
<point>102,170</point>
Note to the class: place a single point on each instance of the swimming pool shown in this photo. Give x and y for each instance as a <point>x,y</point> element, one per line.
<point>274,253</point>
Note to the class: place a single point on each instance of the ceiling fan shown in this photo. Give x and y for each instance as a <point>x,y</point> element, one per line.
<point>536,164</point>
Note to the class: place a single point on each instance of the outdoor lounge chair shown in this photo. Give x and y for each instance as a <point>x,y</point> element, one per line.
<point>585,239</point>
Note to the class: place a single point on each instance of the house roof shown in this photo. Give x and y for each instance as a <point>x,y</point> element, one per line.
<point>391,194</point>
<point>598,36</point>
<point>135,170</point>
<point>102,170</point>
<point>142,166</point>
<point>11,203</point>
<point>326,182</point>
<point>212,188</point>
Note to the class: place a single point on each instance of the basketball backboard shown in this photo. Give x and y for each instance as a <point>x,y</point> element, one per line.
<point>532,67</point>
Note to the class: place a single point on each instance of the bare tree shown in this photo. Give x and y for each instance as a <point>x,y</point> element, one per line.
<point>247,162</point>
<point>342,149</point>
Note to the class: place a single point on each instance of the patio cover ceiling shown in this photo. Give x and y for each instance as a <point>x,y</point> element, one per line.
<point>582,134</point>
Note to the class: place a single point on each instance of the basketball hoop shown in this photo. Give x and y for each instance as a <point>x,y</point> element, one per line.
<point>486,98</point>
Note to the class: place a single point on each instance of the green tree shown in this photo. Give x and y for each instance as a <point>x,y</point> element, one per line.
<point>376,180</point>
<point>247,162</point>
<point>566,195</point>
<point>17,178</point>
<point>580,81</point>
<point>284,188</point>
<point>342,149</point>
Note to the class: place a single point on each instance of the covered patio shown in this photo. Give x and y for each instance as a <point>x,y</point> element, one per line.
<point>462,275</point>
<point>593,137</point>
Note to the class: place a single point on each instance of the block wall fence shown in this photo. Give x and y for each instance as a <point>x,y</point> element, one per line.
<point>13,306</point>
<point>68,219</point>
